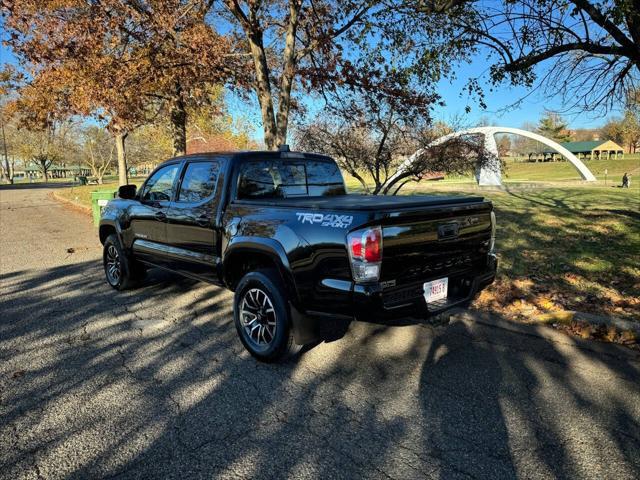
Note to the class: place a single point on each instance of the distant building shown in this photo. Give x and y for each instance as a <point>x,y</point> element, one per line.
<point>588,150</point>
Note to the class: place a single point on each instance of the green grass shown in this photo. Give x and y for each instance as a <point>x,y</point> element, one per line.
<point>563,247</point>
<point>565,171</point>
<point>82,194</point>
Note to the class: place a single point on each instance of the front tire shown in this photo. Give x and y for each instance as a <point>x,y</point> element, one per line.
<point>262,316</point>
<point>121,272</point>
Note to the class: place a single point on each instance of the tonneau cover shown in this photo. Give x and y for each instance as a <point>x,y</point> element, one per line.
<point>365,202</point>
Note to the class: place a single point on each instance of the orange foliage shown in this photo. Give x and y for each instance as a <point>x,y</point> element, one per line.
<point>118,61</point>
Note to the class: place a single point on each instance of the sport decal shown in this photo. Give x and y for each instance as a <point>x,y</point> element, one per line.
<point>326,220</point>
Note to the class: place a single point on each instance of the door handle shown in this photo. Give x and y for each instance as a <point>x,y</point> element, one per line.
<point>160,216</point>
<point>203,220</point>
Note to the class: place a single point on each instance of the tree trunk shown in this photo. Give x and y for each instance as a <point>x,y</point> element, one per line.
<point>263,89</point>
<point>45,172</point>
<point>8,171</point>
<point>123,178</point>
<point>288,74</point>
<point>179,124</point>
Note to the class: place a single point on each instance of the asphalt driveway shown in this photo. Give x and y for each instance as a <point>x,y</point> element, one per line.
<point>153,383</point>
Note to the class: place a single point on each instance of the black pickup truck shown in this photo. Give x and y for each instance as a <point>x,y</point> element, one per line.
<point>279,230</point>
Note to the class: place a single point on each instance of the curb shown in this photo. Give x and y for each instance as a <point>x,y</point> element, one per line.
<point>568,316</point>
<point>71,204</point>
<point>546,332</point>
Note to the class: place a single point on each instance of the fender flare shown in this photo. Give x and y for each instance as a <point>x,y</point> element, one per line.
<point>116,226</point>
<point>269,247</point>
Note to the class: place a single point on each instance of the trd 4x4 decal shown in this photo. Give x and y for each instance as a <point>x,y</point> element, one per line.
<point>328,220</point>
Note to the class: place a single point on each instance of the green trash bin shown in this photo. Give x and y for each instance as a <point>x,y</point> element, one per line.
<point>82,180</point>
<point>99,200</point>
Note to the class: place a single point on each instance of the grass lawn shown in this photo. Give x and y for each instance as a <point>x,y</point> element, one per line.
<point>564,247</point>
<point>82,194</point>
<point>559,171</point>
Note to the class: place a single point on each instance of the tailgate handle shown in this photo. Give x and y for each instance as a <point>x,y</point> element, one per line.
<point>448,230</point>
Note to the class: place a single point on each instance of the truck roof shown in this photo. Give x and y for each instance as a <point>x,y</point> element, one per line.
<point>248,154</point>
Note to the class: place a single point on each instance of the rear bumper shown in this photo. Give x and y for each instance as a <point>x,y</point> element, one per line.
<point>389,305</point>
<point>394,305</point>
<point>373,304</point>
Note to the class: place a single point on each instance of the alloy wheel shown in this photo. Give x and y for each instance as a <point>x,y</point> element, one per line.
<point>258,317</point>
<point>113,266</point>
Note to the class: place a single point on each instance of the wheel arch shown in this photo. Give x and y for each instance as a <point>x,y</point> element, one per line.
<point>109,228</point>
<point>244,255</point>
<point>105,230</point>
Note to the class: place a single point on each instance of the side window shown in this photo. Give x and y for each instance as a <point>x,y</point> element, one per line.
<point>257,180</point>
<point>158,187</point>
<point>199,181</point>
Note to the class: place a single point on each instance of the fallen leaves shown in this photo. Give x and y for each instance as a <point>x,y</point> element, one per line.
<point>602,333</point>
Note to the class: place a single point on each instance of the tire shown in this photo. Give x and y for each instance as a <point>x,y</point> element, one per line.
<point>262,316</point>
<point>122,272</point>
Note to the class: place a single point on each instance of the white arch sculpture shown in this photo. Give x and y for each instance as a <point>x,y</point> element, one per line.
<point>490,173</point>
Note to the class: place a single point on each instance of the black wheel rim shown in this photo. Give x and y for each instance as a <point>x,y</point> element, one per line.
<point>258,318</point>
<point>112,265</point>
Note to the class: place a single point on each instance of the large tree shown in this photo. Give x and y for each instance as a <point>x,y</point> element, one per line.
<point>624,131</point>
<point>553,126</point>
<point>46,146</point>
<point>122,62</point>
<point>323,46</point>
<point>8,78</point>
<point>589,52</point>
<point>97,151</point>
<point>7,165</point>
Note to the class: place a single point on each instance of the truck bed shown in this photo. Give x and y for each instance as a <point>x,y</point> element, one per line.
<point>361,203</point>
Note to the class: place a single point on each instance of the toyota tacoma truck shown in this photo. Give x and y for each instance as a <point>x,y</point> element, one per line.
<point>279,229</point>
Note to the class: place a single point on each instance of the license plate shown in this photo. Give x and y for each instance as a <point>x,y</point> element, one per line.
<point>436,290</point>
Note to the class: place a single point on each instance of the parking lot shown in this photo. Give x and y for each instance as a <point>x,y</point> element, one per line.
<point>153,383</point>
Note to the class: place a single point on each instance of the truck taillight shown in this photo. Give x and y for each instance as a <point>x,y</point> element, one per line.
<point>365,253</point>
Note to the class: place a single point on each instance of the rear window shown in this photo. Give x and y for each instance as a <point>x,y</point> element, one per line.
<point>284,179</point>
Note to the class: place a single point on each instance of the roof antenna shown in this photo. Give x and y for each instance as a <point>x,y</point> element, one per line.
<point>283,148</point>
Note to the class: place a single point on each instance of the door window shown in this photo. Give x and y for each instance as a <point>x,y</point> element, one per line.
<point>160,185</point>
<point>199,181</point>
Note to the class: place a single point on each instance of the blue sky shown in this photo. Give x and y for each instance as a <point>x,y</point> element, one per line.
<point>498,101</point>
<point>452,92</point>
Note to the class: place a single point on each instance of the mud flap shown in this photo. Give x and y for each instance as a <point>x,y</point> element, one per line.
<point>309,329</point>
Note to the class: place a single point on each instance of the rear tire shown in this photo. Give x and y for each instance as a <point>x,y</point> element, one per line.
<point>121,271</point>
<point>262,316</point>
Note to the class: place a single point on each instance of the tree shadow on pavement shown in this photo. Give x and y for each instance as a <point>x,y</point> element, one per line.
<point>153,383</point>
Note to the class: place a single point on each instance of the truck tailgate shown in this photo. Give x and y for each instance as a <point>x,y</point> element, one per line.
<point>432,243</point>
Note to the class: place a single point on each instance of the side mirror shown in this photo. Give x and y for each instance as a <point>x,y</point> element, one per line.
<point>127,191</point>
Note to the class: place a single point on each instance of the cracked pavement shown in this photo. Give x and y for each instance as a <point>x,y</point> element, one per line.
<point>153,383</point>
